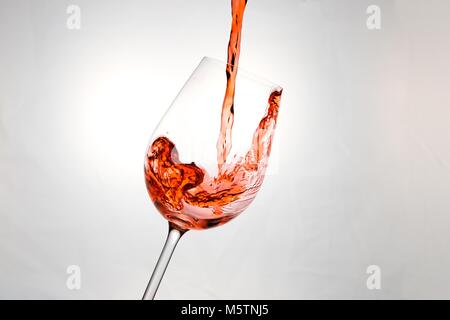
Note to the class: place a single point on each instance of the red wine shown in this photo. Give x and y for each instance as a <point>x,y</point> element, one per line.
<point>234,49</point>
<point>186,194</point>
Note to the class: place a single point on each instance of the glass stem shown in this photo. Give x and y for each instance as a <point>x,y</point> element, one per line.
<point>171,242</point>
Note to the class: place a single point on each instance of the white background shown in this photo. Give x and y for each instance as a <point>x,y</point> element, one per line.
<point>363,149</point>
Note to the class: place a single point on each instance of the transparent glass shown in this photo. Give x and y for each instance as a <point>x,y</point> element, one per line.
<point>188,184</point>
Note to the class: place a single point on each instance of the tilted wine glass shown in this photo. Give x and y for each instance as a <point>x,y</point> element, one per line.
<point>196,180</point>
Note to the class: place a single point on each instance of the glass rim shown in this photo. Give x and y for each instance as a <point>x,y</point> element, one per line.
<point>246,73</point>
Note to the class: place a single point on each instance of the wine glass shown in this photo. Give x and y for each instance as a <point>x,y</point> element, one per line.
<point>204,166</point>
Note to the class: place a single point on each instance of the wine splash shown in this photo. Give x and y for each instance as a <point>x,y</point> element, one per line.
<point>186,194</point>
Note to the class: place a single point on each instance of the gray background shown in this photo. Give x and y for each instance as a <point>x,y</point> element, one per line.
<point>362,169</point>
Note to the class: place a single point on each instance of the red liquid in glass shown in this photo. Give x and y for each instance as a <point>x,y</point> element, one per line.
<point>186,194</point>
